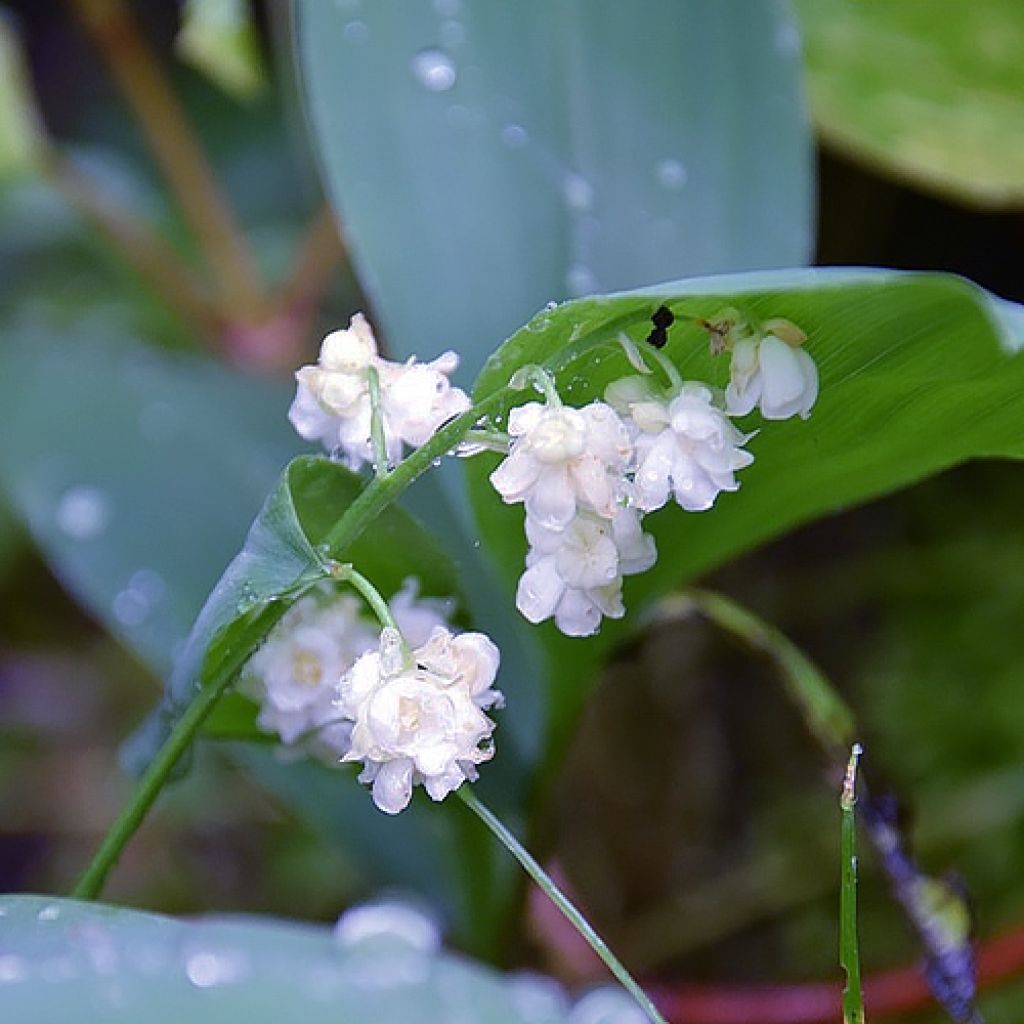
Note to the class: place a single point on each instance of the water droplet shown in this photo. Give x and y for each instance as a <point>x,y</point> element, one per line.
<point>551,305</point>
<point>452,33</point>
<point>514,136</point>
<point>578,192</point>
<point>447,8</point>
<point>207,969</point>
<point>670,173</point>
<point>607,1006</point>
<point>356,31</point>
<point>12,968</point>
<point>411,926</point>
<point>434,70</point>
<point>580,280</point>
<point>83,512</point>
<point>49,913</point>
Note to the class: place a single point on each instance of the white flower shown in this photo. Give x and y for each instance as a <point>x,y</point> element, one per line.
<point>296,674</point>
<point>332,399</point>
<point>564,459</point>
<point>780,377</point>
<point>575,575</point>
<point>421,720</point>
<point>685,445</point>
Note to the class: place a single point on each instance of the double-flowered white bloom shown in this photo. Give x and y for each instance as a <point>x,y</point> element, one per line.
<point>568,467</point>
<point>575,575</point>
<point>775,374</point>
<point>295,675</point>
<point>562,460</point>
<point>418,716</point>
<point>333,405</point>
<point>685,446</point>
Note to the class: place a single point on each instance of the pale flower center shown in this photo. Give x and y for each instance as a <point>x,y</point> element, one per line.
<point>306,668</point>
<point>558,437</point>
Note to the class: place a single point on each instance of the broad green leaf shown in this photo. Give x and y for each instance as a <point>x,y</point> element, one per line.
<point>931,93</point>
<point>219,38</point>
<point>67,960</point>
<point>918,372</point>
<point>135,471</point>
<point>488,158</point>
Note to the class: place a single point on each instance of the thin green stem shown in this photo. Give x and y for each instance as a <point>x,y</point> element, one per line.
<point>827,715</point>
<point>849,949</point>
<point>378,605</point>
<point>146,791</point>
<point>492,440</point>
<point>541,378</point>
<point>380,450</point>
<point>574,916</point>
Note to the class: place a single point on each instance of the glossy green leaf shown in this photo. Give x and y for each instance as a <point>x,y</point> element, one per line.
<point>488,158</point>
<point>66,960</point>
<point>21,132</point>
<point>918,372</point>
<point>934,94</point>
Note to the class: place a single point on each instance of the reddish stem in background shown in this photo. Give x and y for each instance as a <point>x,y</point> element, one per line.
<point>904,990</point>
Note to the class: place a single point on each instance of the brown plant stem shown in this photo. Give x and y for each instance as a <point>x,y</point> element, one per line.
<point>319,253</point>
<point>155,261</point>
<point>144,86</point>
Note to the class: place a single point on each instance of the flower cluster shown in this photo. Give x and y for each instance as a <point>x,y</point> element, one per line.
<point>568,466</point>
<point>334,405</point>
<point>587,476</point>
<point>295,675</point>
<point>418,715</point>
<point>408,703</point>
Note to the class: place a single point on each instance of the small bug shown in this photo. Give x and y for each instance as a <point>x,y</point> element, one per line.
<point>663,319</point>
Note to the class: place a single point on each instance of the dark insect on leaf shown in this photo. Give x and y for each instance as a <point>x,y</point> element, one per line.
<point>663,319</point>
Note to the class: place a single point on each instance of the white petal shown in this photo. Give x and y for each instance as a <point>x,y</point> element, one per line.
<point>516,475</point>
<point>810,371</point>
<point>578,614</point>
<point>392,786</point>
<point>552,501</point>
<point>539,591</point>
<point>782,380</point>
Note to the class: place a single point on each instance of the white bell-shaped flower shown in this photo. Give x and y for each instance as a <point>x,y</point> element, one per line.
<point>575,575</point>
<point>685,445</point>
<point>564,459</point>
<point>333,406</point>
<point>779,377</point>
<point>419,719</point>
<point>295,675</point>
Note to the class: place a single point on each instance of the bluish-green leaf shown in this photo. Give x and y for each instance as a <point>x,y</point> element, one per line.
<point>488,158</point>
<point>62,960</point>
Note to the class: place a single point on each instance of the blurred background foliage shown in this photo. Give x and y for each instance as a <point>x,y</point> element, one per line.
<point>912,605</point>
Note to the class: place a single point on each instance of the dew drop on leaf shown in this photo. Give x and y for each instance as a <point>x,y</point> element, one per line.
<point>434,70</point>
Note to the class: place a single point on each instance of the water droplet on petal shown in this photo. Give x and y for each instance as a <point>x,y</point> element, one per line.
<point>83,512</point>
<point>514,136</point>
<point>670,173</point>
<point>434,70</point>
